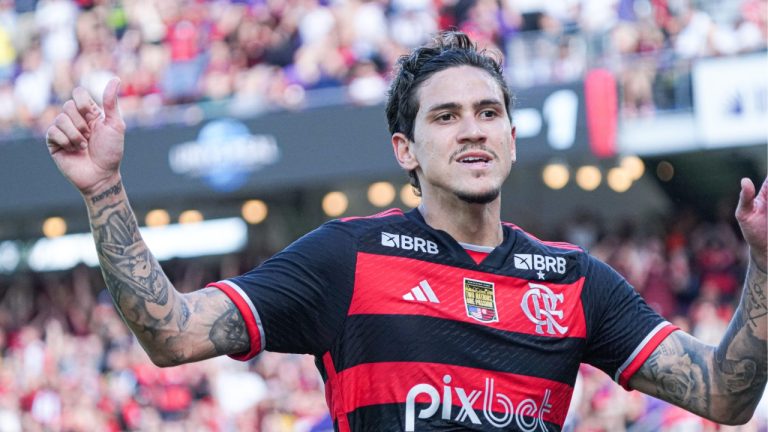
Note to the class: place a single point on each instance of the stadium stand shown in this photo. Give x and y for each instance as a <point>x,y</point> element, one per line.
<point>68,363</point>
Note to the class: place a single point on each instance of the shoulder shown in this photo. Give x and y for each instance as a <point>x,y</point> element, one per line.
<point>529,243</point>
<point>551,246</point>
<point>340,232</point>
<point>359,226</point>
<point>393,215</point>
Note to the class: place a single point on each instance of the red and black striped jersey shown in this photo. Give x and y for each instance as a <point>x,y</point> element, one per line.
<point>410,333</point>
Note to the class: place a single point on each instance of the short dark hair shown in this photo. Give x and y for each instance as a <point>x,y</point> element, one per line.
<point>448,49</point>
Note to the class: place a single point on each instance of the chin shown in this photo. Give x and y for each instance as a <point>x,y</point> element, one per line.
<point>483,197</point>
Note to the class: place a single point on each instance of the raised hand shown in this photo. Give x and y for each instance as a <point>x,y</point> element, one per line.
<point>751,213</point>
<point>86,142</point>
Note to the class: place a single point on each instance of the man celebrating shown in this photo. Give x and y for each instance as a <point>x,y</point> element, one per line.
<point>442,318</point>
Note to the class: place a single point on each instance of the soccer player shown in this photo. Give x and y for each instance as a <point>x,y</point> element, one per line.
<point>441,318</point>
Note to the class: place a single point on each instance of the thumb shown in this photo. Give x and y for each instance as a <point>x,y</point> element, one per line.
<point>112,114</point>
<point>746,197</point>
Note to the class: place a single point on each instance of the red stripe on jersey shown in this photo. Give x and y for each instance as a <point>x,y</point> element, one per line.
<point>396,285</point>
<point>385,213</point>
<point>477,256</point>
<point>333,395</point>
<point>250,321</point>
<point>644,353</point>
<point>387,383</point>
<point>561,245</point>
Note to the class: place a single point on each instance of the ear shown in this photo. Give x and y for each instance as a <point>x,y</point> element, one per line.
<point>513,145</point>
<point>403,148</point>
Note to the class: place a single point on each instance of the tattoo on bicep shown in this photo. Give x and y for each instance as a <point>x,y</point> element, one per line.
<point>680,374</point>
<point>184,316</point>
<point>228,333</point>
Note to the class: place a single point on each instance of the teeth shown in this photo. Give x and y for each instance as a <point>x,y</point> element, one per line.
<point>472,159</point>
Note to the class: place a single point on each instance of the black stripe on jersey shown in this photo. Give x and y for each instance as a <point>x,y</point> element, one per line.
<point>413,338</point>
<point>391,418</point>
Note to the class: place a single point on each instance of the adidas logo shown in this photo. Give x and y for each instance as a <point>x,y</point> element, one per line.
<point>421,293</point>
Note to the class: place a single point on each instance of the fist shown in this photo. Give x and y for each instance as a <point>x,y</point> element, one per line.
<point>86,141</point>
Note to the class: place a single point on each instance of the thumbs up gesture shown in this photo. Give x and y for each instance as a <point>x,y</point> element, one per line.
<point>86,141</point>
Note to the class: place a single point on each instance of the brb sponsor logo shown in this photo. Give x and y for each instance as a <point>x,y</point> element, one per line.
<point>405,242</point>
<point>498,409</point>
<point>540,263</point>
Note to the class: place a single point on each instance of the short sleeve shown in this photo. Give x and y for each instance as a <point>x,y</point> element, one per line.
<point>297,300</point>
<point>622,330</point>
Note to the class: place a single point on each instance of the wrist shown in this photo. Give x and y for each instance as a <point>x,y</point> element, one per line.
<point>759,263</point>
<point>103,190</point>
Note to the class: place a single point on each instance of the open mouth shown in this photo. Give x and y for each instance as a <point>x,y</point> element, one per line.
<point>474,159</point>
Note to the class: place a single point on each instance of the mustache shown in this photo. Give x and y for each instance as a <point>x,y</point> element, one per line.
<point>471,147</point>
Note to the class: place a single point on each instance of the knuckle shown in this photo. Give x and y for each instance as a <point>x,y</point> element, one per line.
<point>53,136</point>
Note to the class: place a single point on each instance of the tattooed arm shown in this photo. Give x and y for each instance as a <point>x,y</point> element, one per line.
<point>722,383</point>
<point>86,144</point>
<point>173,328</point>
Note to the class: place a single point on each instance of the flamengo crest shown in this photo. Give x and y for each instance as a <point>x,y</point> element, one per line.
<point>540,306</point>
<point>480,300</point>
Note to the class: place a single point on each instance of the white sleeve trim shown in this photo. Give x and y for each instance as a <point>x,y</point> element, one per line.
<point>248,301</point>
<point>639,348</point>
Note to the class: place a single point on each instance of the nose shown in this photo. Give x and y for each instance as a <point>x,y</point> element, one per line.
<point>471,131</point>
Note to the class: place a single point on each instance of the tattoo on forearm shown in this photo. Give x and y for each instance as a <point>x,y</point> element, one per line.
<point>115,225</point>
<point>756,305</point>
<point>149,304</point>
<point>133,277</point>
<point>114,190</point>
<point>125,259</point>
<point>740,358</point>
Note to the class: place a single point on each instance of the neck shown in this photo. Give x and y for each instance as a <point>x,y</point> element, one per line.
<point>477,224</point>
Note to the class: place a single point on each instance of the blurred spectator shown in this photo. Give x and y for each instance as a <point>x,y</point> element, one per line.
<point>181,51</point>
<point>55,20</point>
<point>366,85</point>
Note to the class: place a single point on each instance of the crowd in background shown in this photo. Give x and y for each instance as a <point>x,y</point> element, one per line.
<point>68,363</point>
<point>246,56</point>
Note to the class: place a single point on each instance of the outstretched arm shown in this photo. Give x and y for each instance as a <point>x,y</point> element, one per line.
<point>722,383</point>
<point>173,328</point>
<point>86,143</point>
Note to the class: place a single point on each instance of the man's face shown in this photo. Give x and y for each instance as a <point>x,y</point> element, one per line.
<point>464,143</point>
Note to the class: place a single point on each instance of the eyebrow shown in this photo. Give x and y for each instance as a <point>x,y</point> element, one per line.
<point>454,105</point>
